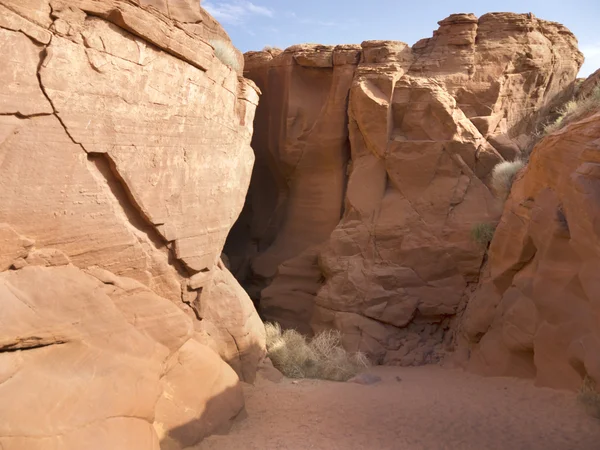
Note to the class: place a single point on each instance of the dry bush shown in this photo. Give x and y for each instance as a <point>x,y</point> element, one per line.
<point>503,176</point>
<point>575,110</point>
<point>322,357</point>
<point>270,49</point>
<point>226,54</point>
<point>483,233</point>
<point>589,397</point>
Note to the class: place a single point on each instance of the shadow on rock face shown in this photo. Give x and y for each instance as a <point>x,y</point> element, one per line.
<point>197,401</point>
<point>217,418</point>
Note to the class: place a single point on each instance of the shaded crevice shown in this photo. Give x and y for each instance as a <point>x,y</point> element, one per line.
<point>20,115</point>
<point>106,167</point>
<point>504,280</point>
<point>136,216</point>
<point>195,303</point>
<point>237,347</point>
<point>31,343</point>
<point>44,54</point>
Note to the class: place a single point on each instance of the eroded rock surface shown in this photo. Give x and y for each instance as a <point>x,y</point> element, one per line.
<point>95,360</point>
<point>373,165</point>
<point>302,150</point>
<point>535,313</point>
<point>124,155</point>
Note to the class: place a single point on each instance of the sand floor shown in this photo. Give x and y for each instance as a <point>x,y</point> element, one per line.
<point>430,408</point>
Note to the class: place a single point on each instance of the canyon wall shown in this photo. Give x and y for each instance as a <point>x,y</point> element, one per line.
<point>373,166</point>
<point>124,161</point>
<point>298,183</point>
<point>536,312</point>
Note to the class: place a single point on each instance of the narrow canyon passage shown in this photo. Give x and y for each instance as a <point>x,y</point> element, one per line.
<point>172,209</point>
<point>418,408</point>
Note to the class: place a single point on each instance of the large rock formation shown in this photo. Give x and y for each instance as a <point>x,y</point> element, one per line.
<point>92,360</point>
<point>536,311</point>
<point>124,162</point>
<point>373,166</point>
<point>299,180</point>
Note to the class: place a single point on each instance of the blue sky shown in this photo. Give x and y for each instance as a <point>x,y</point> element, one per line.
<point>257,23</point>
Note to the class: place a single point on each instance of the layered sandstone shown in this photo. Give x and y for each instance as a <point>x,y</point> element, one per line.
<point>371,231</point>
<point>536,311</point>
<point>302,149</point>
<point>124,161</point>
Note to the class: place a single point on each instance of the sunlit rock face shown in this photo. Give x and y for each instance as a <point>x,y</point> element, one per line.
<point>124,161</point>
<point>372,167</point>
<point>535,313</point>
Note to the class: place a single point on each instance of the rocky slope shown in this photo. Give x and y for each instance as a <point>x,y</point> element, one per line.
<point>536,311</point>
<point>124,162</point>
<point>372,167</point>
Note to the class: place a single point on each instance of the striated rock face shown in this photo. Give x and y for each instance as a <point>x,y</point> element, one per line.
<point>536,311</point>
<point>302,149</point>
<point>124,159</point>
<point>371,228</point>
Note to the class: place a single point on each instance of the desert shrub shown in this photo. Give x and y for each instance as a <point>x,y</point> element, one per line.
<point>574,110</point>
<point>483,233</point>
<point>321,357</point>
<point>589,397</point>
<point>226,54</point>
<point>268,48</point>
<point>503,176</point>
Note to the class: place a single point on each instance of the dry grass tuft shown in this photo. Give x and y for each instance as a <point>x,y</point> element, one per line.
<point>589,397</point>
<point>575,110</point>
<point>483,233</point>
<point>270,49</point>
<point>322,357</point>
<point>503,176</point>
<point>226,54</point>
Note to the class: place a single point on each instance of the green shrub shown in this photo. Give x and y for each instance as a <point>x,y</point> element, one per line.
<point>322,357</point>
<point>575,110</point>
<point>503,176</point>
<point>226,54</point>
<point>483,233</point>
<point>589,397</point>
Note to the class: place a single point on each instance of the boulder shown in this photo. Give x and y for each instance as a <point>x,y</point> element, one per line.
<point>100,361</point>
<point>124,158</point>
<point>535,312</point>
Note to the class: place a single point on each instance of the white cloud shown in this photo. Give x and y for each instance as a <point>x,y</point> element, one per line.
<point>235,12</point>
<point>260,10</point>
<point>327,23</point>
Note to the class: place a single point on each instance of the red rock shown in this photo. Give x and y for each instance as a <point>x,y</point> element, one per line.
<point>589,84</point>
<point>391,203</point>
<point>301,158</point>
<point>13,246</point>
<point>125,158</point>
<point>100,351</point>
<point>536,312</point>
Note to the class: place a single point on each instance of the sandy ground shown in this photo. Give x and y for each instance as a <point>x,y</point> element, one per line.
<point>430,408</point>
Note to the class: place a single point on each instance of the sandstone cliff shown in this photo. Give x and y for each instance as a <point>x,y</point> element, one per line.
<point>372,167</point>
<point>124,162</point>
<point>535,313</point>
